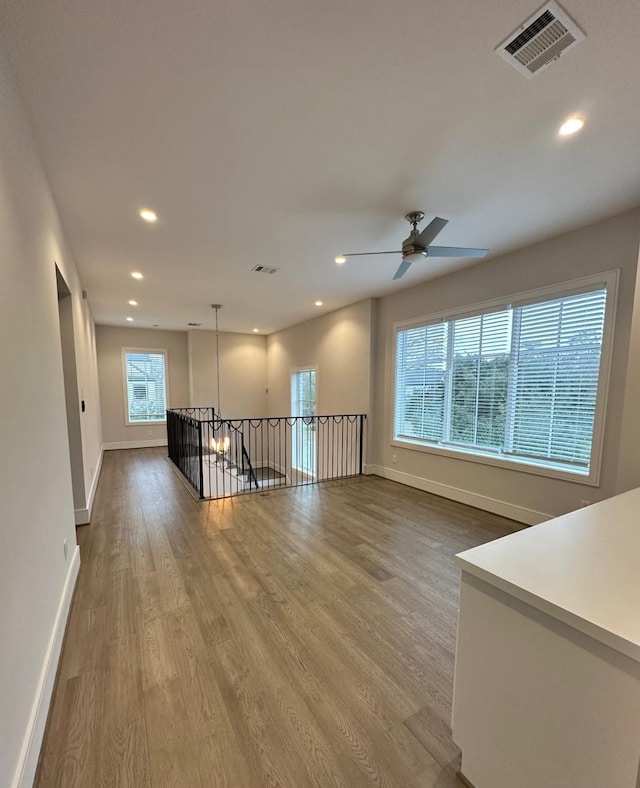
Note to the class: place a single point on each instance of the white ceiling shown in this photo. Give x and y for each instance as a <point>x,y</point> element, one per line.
<point>283,132</point>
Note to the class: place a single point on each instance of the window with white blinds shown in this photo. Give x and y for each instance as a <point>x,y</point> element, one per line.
<point>421,364</point>
<point>519,381</point>
<point>145,385</point>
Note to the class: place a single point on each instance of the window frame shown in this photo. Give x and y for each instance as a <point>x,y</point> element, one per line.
<point>532,466</point>
<point>123,365</point>
<point>295,371</point>
<point>297,427</point>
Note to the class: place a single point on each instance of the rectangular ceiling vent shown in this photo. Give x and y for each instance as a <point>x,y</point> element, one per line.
<point>549,33</point>
<point>264,269</point>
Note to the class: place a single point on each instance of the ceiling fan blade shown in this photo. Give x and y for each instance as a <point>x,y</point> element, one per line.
<point>402,269</point>
<point>454,251</point>
<point>362,254</point>
<point>430,231</point>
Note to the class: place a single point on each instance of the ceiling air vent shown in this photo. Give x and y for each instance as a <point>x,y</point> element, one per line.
<point>549,33</point>
<point>264,269</point>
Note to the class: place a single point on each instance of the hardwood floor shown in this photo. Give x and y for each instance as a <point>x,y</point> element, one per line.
<point>299,637</point>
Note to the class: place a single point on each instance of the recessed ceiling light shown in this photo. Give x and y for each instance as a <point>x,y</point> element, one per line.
<point>136,275</point>
<point>132,303</point>
<point>256,330</point>
<point>570,126</point>
<point>130,320</point>
<point>319,303</point>
<point>148,216</point>
<point>340,259</point>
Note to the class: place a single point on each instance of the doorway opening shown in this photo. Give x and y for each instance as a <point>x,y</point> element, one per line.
<point>71,395</point>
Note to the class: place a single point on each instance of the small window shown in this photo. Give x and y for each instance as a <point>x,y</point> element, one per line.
<point>145,385</point>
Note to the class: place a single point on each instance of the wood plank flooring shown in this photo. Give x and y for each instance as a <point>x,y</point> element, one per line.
<point>290,638</point>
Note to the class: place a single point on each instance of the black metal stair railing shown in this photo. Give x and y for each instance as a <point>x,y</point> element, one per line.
<point>184,439</point>
<point>226,457</point>
<point>247,467</point>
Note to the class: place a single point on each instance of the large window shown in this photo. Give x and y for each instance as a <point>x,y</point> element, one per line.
<point>519,381</point>
<point>145,385</point>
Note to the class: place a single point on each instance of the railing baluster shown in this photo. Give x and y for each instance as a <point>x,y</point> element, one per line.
<point>201,478</point>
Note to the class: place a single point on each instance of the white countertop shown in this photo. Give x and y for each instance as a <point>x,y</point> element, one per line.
<point>582,568</point>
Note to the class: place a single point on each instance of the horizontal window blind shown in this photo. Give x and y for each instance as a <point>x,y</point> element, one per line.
<point>480,368</point>
<point>420,382</point>
<point>519,382</point>
<point>555,378</point>
<point>146,387</point>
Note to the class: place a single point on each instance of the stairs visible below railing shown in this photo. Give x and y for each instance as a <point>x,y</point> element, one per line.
<point>226,457</point>
<point>248,466</point>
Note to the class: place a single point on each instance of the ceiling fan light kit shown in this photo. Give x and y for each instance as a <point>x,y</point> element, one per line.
<point>417,245</point>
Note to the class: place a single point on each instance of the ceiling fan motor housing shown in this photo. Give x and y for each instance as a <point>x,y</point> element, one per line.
<point>412,250</point>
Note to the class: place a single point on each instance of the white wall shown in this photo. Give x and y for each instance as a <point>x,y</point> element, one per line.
<point>628,473</point>
<point>36,503</point>
<point>339,344</point>
<point>599,247</point>
<point>109,341</point>
<point>243,373</point>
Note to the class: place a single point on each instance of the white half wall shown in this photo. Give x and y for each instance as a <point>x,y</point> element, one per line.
<point>36,501</point>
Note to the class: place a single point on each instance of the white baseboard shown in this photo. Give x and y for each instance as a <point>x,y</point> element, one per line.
<point>135,444</point>
<point>83,516</point>
<point>505,509</point>
<point>28,761</point>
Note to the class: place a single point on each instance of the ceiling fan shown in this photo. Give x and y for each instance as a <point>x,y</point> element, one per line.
<point>418,245</point>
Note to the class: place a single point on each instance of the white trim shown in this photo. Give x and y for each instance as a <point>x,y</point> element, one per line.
<point>123,366</point>
<point>503,508</point>
<point>295,370</point>
<point>143,423</point>
<point>94,483</point>
<point>83,516</point>
<point>28,761</point>
<point>135,444</point>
